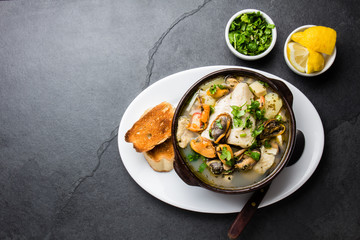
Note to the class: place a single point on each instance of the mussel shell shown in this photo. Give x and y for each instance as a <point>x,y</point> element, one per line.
<point>203,146</point>
<point>231,81</point>
<point>216,166</point>
<point>272,128</point>
<point>220,127</point>
<point>246,162</point>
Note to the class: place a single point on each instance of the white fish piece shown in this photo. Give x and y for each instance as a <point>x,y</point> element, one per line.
<point>265,162</point>
<point>183,135</point>
<point>246,141</point>
<point>240,96</point>
<point>274,149</point>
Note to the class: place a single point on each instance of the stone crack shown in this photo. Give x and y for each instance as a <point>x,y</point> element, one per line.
<point>101,150</point>
<point>155,48</point>
<point>351,120</point>
<point>103,147</point>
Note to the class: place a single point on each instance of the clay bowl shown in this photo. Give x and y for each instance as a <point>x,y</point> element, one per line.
<point>181,166</point>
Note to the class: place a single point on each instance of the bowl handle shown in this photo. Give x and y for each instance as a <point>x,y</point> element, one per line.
<point>184,173</point>
<point>284,89</point>
<point>298,149</point>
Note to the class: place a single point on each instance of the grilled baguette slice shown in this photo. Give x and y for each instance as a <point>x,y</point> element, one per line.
<point>153,128</point>
<point>161,157</point>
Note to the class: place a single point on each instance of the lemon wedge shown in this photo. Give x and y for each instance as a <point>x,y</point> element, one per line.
<point>318,38</point>
<point>297,55</point>
<point>315,62</point>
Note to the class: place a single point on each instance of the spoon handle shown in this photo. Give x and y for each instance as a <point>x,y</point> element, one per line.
<point>246,213</point>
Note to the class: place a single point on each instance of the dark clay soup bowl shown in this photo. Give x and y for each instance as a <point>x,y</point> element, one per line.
<point>191,176</point>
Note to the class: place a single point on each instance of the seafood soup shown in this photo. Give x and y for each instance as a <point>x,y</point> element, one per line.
<point>233,132</point>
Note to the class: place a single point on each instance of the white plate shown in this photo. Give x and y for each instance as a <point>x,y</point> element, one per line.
<point>169,188</point>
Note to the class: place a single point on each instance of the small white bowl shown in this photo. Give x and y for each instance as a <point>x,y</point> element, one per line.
<point>246,57</point>
<point>328,59</point>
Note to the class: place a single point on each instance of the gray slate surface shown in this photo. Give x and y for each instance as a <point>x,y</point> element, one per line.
<point>69,69</point>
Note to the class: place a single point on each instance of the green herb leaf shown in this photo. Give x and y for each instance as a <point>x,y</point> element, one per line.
<point>264,84</point>
<point>230,162</point>
<point>253,155</point>
<point>248,123</point>
<point>210,134</point>
<point>246,33</point>
<point>254,109</point>
<point>218,123</point>
<point>243,135</point>
<point>267,144</point>
<point>238,123</point>
<point>225,154</point>
<point>202,167</point>
<point>267,31</point>
<point>193,157</point>
<point>252,46</point>
<point>245,18</point>
<point>213,89</point>
<point>257,131</point>
<point>212,109</point>
<point>254,145</point>
<point>237,113</point>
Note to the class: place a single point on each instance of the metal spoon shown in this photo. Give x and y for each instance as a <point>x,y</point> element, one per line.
<point>249,209</point>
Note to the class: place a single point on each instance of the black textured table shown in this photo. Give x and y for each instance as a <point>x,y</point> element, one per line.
<point>68,71</point>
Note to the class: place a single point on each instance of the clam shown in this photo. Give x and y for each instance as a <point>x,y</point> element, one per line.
<point>220,127</point>
<point>216,166</point>
<point>272,128</point>
<point>203,146</point>
<point>245,162</point>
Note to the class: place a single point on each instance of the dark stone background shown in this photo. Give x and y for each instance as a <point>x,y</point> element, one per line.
<point>69,69</point>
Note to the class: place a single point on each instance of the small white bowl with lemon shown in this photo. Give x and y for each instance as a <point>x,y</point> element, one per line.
<point>310,53</point>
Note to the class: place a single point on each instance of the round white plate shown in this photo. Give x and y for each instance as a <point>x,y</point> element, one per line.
<point>169,188</point>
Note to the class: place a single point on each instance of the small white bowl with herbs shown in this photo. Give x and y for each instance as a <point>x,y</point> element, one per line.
<point>250,34</point>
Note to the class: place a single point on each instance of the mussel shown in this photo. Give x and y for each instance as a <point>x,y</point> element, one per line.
<point>216,166</point>
<point>272,128</point>
<point>220,127</point>
<point>217,91</point>
<point>203,146</point>
<point>199,120</point>
<point>225,154</point>
<point>244,161</point>
<point>231,81</point>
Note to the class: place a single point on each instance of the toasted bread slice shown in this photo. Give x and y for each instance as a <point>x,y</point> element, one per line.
<point>153,128</point>
<point>161,157</point>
